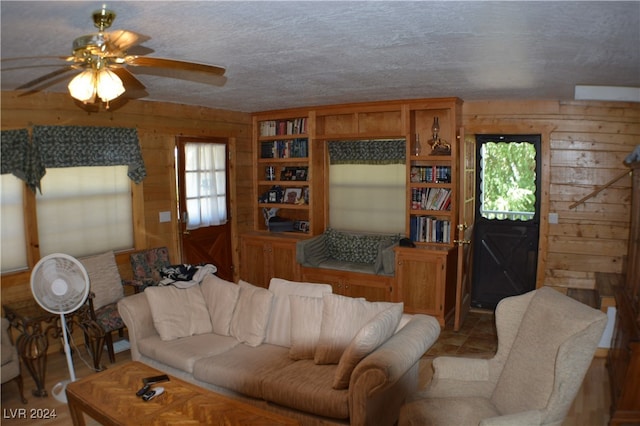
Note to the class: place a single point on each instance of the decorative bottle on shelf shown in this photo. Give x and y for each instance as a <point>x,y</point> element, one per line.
<point>416,147</point>
<point>435,129</point>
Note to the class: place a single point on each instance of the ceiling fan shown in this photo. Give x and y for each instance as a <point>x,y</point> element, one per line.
<point>106,61</point>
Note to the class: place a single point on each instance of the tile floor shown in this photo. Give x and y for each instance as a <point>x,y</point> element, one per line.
<point>477,337</point>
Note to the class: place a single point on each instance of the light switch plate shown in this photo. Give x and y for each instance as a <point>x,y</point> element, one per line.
<point>165,217</point>
<point>553,218</point>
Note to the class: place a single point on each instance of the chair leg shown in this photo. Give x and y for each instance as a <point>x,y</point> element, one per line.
<point>109,341</point>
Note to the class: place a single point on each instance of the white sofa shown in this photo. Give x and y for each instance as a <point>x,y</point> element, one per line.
<point>295,348</point>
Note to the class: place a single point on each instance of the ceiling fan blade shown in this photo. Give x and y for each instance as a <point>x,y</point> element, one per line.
<point>187,71</point>
<point>129,81</point>
<point>30,58</point>
<point>173,64</point>
<point>123,40</point>
<point>46,77</point>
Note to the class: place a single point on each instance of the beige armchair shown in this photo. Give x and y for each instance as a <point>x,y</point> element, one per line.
<point>10,368</point>
<point>546,342</point>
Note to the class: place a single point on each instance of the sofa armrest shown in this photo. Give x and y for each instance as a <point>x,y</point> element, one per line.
<point>383,380</point>
<point>312,252</point>
<point>459,377</point>
<point>136,314</point>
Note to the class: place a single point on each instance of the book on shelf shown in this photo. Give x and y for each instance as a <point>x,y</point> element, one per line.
<point>430,174</point>
<point>290,148</point>
<point>294,126</point>
<point>430,198</point>
<point>428,229</point>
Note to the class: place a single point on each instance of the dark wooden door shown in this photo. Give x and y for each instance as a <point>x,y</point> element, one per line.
<point>204,244</point>
<point>506,223</point>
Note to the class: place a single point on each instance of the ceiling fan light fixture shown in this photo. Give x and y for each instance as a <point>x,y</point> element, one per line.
<point>102,82</point>
<point>83,86</point>
<point>109,85</point>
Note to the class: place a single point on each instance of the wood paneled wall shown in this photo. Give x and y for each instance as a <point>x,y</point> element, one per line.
<point>158,124</point>
<point>585,144</point>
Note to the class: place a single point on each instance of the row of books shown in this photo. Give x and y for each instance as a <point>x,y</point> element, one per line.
<point>290,148</point>
<point>294,126</point>
<point>427,229</point>
<point>431,174</point>
<point>430,199</point>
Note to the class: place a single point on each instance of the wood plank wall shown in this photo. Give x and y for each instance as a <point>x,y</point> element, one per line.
<point>158,124</point>
<point>585,144</point>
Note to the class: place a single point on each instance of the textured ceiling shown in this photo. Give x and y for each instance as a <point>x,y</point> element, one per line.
<point>288,54</point>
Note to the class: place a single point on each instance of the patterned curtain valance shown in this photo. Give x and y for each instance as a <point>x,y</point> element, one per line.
<point>378,151</point>
<point>74,146</point>
<point>20,158</point>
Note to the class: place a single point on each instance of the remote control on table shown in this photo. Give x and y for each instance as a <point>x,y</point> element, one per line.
<point>153,393</point>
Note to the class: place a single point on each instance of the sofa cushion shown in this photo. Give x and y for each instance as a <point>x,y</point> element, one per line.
<point>342,318</point>
<point>278,331</point>
<point>183,353</point>
<point>178,312</point>
<point>251,316</point>
<point>306,320</point>
<point>242,368</point>
<point>307,387</point>
<point>221,297</point>
<point>104,277</point>
<point>373,334</point>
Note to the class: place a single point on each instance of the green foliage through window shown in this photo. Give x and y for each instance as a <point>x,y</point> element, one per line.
<point>508,187</point>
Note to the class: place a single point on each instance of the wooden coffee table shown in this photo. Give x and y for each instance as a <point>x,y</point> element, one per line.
<point>110,398</point>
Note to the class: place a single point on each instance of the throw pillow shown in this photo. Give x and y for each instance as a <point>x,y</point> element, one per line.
<point>372,335</point>
<point>251,316</point>
<point>221,297</point>
<point>306,319</point>
<point>342,318</point>
<point>178,312</point>
<point>104,277</point>
<point>279,330</point>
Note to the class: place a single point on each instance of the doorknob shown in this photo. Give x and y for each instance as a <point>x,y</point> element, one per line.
<point>462,242</point>
<point>462,226</point>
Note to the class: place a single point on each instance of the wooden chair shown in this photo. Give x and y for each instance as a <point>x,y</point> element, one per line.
<point>106,289</point>
<point>10,368</point>
<point>546,342</point>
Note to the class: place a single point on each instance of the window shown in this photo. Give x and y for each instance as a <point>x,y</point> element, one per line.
<point>85,210</point>
<point>508,180</point>
<point>205,178</point>
<point>12,235</point>
<point>366,197</point>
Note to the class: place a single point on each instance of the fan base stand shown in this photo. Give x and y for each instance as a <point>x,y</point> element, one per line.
<point>59,391</point>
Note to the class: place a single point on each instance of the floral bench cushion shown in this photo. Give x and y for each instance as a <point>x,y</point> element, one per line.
<point>357,248</point>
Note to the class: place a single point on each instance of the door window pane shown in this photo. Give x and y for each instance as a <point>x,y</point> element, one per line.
<point>508,180</point>
<point>206,186</point>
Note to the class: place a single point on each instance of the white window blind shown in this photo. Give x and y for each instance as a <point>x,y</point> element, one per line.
<point>85,210</point>
<point>367,198</point>
<point>206,185</point>
<point>12,234</point>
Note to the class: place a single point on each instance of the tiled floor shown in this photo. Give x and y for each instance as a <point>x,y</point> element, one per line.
<point>477,337</point>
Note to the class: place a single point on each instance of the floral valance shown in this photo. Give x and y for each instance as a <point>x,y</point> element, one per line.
<point>20,158</point>
<point>377,151</point>
<point>70,146</point>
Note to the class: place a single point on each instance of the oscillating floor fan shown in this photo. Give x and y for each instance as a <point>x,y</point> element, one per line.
<point>60,285</point>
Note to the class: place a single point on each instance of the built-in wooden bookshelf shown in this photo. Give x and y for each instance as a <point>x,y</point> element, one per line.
<point>283,174</point>
<point>432,169</point>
